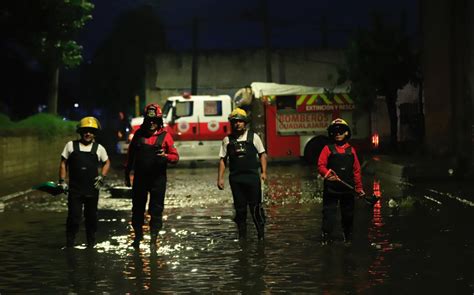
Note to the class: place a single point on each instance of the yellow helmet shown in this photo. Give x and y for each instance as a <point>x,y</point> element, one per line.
<point>339,121</point>
<point>88,122</point>
<point>238,114</point>
<point>339,125</point>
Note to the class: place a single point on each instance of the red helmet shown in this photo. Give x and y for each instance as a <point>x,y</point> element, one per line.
<point>153,110</point>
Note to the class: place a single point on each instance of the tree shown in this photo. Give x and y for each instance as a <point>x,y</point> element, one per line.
<point>117,71</point>
<point>379,61</point>
<point>47,28</point>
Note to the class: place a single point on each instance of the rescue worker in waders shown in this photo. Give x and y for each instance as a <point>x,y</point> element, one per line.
<point>149,153</point>
<point>86,163</point>
<point>248,168</point>
<point>338,164</point>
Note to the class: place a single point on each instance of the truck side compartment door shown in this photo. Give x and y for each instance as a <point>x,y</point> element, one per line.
<point>213,123</point>
<point>185,121</point>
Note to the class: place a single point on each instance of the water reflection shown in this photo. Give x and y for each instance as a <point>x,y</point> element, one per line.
<point>378,238</point>
<point>83,270</point>
<point>287,185</point>
<point>147,272</point>
<point>249,268</point>
<point>198,252</point>
<point>340,271</point>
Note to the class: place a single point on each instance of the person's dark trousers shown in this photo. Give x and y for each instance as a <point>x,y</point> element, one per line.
<point>76,202</point>
<point>157,188</point>
<point>330,202</point>
<point>247,191</point>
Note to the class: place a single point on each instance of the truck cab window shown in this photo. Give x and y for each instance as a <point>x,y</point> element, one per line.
<point>184,109</point>
<point>213,108</point>
<point>166,108</point>
<point>286,102</point>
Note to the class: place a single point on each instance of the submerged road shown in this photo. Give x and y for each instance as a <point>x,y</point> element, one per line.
<point>416,240</point>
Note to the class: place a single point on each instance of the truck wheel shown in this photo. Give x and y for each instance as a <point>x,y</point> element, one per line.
<point>314,148</point>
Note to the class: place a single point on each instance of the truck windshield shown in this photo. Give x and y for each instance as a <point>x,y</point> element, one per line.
<point>166,108</point>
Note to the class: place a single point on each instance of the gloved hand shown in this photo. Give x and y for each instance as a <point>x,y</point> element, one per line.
<point>63,185</point>
<point>127,178</point>
<point>331,175</point>
<point>99,181</point>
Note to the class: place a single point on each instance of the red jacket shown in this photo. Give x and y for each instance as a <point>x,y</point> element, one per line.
<point>323,162</point>
<point>167,145</point>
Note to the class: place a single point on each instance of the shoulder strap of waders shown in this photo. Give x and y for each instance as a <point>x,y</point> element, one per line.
<point>75,146</point>
<point>250,136</point>
<point>94,148</point>
<point>332,148</point>
<point>160,139</point>
<point>348,150</point>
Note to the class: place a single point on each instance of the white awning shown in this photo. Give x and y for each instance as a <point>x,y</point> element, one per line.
<point>260,89</point>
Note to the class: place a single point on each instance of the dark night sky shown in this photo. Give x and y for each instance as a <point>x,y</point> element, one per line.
<point>223,25</point>
<point>229,24</point>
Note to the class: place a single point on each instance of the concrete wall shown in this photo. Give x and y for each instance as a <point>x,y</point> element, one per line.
<point>447,30</point>
<point>437,71</point>
<point>224,72</point>
<point>27,160</point>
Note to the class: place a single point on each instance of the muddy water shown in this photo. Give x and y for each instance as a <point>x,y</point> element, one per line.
<point>414,245</point>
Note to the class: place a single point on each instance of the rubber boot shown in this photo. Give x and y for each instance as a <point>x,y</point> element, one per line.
<point>348,238</point>
<point>242,228</point>
<point>259,219</point>
<point>153,240</point>
<point>260,232</point>
<point>90,240</point>
<point>70,239</point>
<point>138,237</point>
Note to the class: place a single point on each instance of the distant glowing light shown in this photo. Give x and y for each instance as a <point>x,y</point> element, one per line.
<point>375,140</point>
<point>42,107</point>
<point>76,105</point>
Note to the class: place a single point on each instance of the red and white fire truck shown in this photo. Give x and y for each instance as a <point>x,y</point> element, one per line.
<point>292,119</point>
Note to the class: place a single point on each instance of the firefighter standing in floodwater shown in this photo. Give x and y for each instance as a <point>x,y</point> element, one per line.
<point>244,150</point>
<point>150,151</point>
<point>338,163</point>
<point>81,159</point>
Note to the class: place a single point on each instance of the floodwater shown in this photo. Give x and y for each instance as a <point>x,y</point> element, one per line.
<point>416,240</point>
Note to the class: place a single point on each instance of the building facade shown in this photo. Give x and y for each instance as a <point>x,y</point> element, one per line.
<point>224,72</point>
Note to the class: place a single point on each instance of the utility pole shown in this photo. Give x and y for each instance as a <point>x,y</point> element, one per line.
<point>324,33</point>
<point>267,40</point>
<point>194,65</point>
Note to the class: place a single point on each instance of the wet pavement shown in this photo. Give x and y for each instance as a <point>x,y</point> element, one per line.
<point>417,239</point>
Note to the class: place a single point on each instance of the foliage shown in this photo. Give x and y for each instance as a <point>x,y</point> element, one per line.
<point>5,121</point>
<point>379,60</point>
<point>117,71</point>
<point>47,28</point>
<point>43,125</point>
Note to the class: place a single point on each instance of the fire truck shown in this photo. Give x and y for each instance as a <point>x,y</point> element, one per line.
<point>197,123</point>
<point>292,119</point>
